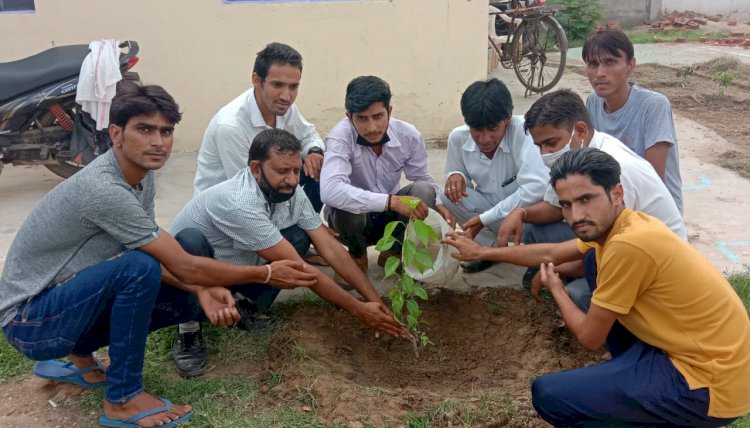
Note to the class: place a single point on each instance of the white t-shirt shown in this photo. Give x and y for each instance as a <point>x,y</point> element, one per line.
<point>644,190</point>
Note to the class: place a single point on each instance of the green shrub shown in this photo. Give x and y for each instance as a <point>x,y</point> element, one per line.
<point>578,17</point>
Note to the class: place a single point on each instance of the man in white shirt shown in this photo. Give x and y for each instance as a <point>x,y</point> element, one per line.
<point>268,104</point>
<point>367,151</point>
<point>559,122</point>
<point>492,166</point>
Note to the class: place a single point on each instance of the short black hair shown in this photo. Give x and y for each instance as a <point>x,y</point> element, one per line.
<point>561,108</point>
<point>133,99</point>
<point>276,53</point>
<point>600,167</point>
<point>486,103</point>
<point>364,91</point>
<point>279,140</point>
<point>607,41</point>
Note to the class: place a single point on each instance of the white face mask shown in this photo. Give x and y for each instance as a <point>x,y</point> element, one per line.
<point>550,158</point>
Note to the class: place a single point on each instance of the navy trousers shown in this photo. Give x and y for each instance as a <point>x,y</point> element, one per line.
<point>639,387</point>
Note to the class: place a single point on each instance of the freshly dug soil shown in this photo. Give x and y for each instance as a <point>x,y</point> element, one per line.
<point>487,349</point>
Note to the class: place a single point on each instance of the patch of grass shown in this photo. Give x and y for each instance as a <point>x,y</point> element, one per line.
<point>12,364</point>
<point>741,284</point>
<point>638,37</point>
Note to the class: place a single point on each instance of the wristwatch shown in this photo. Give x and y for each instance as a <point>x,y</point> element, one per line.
<point>317,150</point>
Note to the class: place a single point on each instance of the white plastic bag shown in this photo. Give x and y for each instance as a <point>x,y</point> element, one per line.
<point>444,266</point>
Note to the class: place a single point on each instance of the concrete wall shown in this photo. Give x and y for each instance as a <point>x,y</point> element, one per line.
<point>630,13</point>
<point>735,8</point>
<point>202,51</point>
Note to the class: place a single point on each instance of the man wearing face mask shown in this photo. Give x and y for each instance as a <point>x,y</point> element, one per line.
<point>559,122</point>
<point>492,166</point>
<point>366,153</point>
<point>259,216</point>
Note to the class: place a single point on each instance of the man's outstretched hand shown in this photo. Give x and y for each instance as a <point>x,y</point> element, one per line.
<point>292,274</point>
<point>420,212</point>
<point>472,227</point>
<point>218,305</point>
<point>378,317</point>
<point>467,248</point>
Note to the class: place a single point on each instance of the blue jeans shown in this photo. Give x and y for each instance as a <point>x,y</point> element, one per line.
<point>639,387</point>
<point>117,303</point>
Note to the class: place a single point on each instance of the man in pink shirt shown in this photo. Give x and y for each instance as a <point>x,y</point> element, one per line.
<point>360,180</point>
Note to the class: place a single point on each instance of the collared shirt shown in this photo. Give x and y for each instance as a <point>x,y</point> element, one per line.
<point>671,297</point>
<point>515,176</point>
<point>230,133</point>
<point>356,180</point>
<point>643,189</point>
<point>238,222</point>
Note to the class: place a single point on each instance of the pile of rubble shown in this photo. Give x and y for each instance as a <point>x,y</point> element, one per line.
<point>690,20</point>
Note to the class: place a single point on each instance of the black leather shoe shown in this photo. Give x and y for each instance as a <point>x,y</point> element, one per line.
<point>250,319</point>
<point>476,266</point>
<point>190,354</point>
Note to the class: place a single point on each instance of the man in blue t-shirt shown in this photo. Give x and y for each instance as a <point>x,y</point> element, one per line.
<point>640,118</point>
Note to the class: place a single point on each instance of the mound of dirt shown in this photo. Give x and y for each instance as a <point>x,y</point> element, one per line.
<point>488,348</point>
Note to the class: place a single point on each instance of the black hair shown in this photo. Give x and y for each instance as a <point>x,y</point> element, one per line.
<point>135,100</point>
<point>561,108</point>
<point>608,40</point>
<point>600,167</point>
<point>486,103</point>
<point>279,140</point>
<point>364,91</point>
<point>276,53</point>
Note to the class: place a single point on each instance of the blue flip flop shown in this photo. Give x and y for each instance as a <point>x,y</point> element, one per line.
<point>131,422</point>
<point>66,372</point>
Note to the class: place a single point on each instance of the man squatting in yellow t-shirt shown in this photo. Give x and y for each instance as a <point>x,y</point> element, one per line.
<point>681,356</point>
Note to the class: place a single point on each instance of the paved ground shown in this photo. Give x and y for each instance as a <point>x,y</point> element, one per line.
<point>715,198</point>
<point>675,54</point>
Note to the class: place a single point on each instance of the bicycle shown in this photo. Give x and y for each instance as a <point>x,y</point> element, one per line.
<point>537,48</point>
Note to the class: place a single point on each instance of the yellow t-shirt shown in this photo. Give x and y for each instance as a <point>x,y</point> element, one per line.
<point>669,296</point>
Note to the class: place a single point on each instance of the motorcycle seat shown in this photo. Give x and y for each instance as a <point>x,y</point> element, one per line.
<point>18,77</point>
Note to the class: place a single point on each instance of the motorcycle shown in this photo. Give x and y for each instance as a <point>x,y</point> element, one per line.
<point>40,121</point>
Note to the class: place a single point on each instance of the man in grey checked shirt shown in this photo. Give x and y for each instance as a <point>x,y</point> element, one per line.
<point>258,216</point>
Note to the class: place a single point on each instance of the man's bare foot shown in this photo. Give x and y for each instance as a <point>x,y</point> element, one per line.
<point>141,403</point>
<point>94,376</point>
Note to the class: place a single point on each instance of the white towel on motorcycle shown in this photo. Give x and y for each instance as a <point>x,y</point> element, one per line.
<point>98,79</point>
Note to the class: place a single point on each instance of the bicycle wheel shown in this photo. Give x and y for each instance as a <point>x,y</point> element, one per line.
<point>538,53</point>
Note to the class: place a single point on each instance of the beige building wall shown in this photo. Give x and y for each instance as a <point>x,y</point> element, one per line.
<point>202,51</point>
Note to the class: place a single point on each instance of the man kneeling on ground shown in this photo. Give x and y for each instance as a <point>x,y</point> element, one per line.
<point>261,214</point>
<point>683,356</point>
<point>84,269</point>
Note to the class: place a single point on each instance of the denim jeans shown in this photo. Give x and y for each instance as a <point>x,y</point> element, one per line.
<point>117,303</point>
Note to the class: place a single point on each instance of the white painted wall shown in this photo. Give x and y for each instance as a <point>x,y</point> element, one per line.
<point>202,51</point>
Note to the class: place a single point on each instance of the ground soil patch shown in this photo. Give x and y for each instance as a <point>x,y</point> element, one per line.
<point>488,347</point>
<point>694,93</point>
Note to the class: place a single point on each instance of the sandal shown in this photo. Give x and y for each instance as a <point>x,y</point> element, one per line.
<point>131,422</point>
<point>66,372</point>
